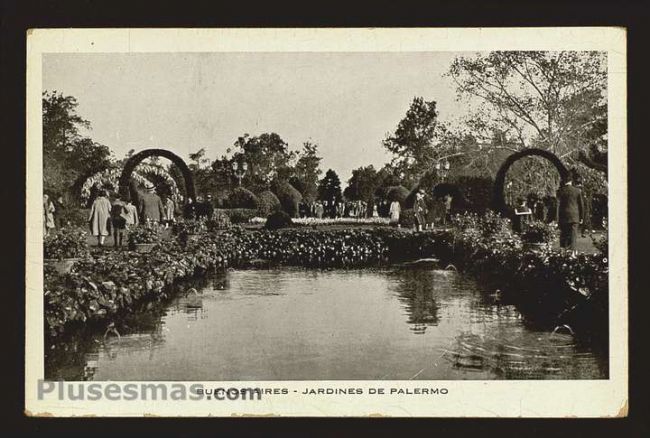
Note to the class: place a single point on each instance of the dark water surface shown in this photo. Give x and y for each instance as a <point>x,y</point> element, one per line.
<point>286,324</point>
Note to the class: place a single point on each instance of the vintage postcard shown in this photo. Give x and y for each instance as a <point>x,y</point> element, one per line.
<point>327,222</point>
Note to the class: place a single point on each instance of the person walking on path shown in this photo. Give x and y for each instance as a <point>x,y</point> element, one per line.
<point>170,211</point>
<point>569,213</point>
<point>100,217</point>
<point>131,214</point>
<point>48,214</point>
<point>119,216</point>
<point>420,209</point>
<point>586,226</point>
<point>151,207</point>
<point>189,210</point>
<point>394,212</point>
<point>59,209</point>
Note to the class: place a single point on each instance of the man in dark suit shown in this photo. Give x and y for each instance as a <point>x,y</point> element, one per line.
<point>569,213</point>
<point>150,207</point>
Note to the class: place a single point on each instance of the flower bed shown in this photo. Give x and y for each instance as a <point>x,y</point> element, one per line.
<point>103,285</point>
<point>330,221</point>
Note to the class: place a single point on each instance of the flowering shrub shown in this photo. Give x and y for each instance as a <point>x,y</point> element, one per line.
<point>187,227</point>
<point>487,224</point>
<point>331,221</point>
<point>144,234</point>
<point>65,243</point>
<point>219,221</point>
<point>539,232</point>
<point>601,242</point>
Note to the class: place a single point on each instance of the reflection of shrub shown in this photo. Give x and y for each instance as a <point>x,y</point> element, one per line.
<point>288,196</point>
<point>538,232</point>
<point>239,215</point>
<point>407,218</point>
<point>268,203</point>
<point>277,220</point>
<point>242,198</point>
<point>65,243</point>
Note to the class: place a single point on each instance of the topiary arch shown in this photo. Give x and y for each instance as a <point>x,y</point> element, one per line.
<point>498,200</point>
<point>136,159</point>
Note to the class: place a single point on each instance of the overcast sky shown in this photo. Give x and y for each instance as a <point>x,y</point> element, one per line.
<point>344,102</point>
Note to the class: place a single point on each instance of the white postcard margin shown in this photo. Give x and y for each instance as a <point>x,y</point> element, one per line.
<point>567,398</point>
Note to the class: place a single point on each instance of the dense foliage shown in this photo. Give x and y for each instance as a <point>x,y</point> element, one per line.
<point>539,232</point>
<point>242,198</point>
<point>268,203</point>
<point>144,234</point>
<point>64,243</point>
<point>288,196</point>
<point>277,220</point>
<point>397,193</point>
<point>238,215</point>
<point>109,281</point>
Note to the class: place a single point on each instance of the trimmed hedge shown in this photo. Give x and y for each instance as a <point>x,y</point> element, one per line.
<point>288,196</point>
<point>242,198</point>
<point>278,220</point>
<point>268,203</point>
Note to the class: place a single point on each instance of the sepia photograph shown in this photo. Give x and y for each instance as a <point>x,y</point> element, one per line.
<point>291,215</point>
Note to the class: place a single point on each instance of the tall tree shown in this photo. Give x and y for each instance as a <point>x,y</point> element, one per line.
<point>330,186</point>
<point>307,171</point>
<point>69,156</point>
<point>551,100</point>
<point>413,144</point>
<point>268,158</point>
<point>363,184</point>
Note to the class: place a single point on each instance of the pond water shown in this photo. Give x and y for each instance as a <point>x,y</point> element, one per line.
<point>393,324</point>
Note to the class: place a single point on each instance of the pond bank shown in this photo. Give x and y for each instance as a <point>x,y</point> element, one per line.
<point>558,287</point>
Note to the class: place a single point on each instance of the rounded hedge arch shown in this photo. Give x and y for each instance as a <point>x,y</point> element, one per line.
<point>498,200</point>
<point>136,159</point>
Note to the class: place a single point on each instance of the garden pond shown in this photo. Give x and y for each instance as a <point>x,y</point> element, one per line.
<point>398,323</point>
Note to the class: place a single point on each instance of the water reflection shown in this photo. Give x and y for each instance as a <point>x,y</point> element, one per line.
<point>395,324</point>
<point>416,289</point>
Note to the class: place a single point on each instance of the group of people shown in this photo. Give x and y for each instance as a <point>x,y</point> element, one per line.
<point>52,213</point>
<point>337,208</point>
<point>427,213</point>
<point>381,208</point>
<point>567,209</point>
<point>118,216</point>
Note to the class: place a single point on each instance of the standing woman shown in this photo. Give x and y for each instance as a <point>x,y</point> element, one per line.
<point>100,216</point>
<point>48,211</point>
<point>394,212</point>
